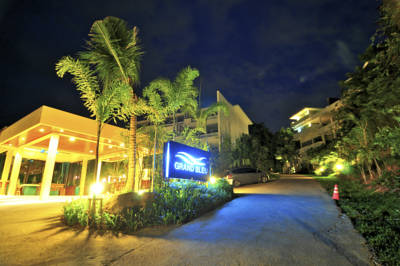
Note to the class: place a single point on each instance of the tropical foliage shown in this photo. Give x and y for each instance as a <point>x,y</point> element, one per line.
<point>173,96</point>
<point>105,101</point>
<point>114,54</point>
<point>261,149</point>
<point>375,215</point>
<point>174,203</point>
<point>370,113</point>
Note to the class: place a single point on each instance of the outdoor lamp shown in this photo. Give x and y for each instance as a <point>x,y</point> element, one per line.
<point>339,166</point>
<point>213,180</point>
<point>97,188</point>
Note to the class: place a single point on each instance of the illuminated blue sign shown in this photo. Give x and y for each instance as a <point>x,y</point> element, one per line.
<point>182,161</point>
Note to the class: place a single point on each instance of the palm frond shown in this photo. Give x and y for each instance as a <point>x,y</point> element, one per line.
<point>84,78</point>
<point>114,51</point>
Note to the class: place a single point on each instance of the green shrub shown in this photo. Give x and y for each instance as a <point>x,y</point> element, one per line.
<point>76,212</point>
<point>375,215</point>
<point>390,180</point>
<point>174,203</point>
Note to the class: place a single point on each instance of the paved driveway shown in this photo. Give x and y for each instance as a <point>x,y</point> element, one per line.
<point>291,221</point>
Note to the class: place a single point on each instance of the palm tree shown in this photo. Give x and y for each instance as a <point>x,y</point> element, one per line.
<point>106,103</point>
<point>157,112</point>
<point>180,94</point>
<point>114,52</point>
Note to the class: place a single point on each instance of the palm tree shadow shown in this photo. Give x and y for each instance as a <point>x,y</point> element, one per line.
<point>53,223</point>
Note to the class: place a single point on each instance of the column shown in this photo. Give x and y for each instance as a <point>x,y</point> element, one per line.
<point>14,174</point>
<point>83,177</point>
<point>6,172</point>
<point>49,167</point>
<point>98,171</point>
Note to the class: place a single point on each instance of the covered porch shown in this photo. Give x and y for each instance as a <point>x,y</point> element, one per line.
<point>52,152</point>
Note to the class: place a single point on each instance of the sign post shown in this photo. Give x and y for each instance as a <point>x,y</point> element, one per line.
<point>185,162</point>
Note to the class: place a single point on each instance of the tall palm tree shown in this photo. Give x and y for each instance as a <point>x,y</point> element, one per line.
<point>114,52</point>
<point>106,103</point>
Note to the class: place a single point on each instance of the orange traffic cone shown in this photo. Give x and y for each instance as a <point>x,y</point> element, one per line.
<point>335,195</point>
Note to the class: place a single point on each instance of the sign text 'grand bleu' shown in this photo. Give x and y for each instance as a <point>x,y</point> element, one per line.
<point>182,161</point>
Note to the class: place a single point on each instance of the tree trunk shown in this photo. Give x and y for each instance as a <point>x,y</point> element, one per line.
<point>174,126</point>
<point>378,168</point>
<point>371,175</point>
<point>99,124</point>
<point>154,158</point>
<point>363,174</point>
<point>131,155</point>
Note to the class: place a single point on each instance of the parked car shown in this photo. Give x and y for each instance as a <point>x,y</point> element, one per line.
<point>242,176</point>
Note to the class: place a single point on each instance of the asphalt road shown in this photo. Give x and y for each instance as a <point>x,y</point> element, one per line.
<point>291,221</point>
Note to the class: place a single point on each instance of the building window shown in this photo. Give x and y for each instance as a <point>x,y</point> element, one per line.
<point>317,139</point>
<point>306,143</point>
<point>212,128</point>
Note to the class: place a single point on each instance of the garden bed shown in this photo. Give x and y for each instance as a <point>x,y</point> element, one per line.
<point>376,215</point>
<point>174,203</point>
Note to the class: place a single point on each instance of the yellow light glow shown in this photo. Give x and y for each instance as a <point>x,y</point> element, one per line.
<point>61,130</point>
<point>9,144</point>
<point>140,192</point>
<point>339,166</point>
<point>23,138</point>
<point>110,146</point>
<point>307,112</point>
<point>91,151</point>
<point>309,124</point>
<point>72,139</point>
<point>41,130</point>
<point>109,141</point>
<point>320,170</point>
<point>97,188</point>
<point>125,155</point>
<point>213,180</point>
<point>122,144</point>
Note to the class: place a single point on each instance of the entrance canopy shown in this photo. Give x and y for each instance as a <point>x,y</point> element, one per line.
<point>77,137</point>
<point>52,135</point>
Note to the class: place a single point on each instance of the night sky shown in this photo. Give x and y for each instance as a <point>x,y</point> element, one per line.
<point>270,57</point>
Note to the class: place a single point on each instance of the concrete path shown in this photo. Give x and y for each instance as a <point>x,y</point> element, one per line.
<point>291,221</point>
